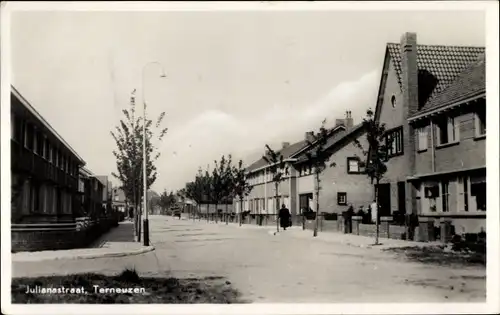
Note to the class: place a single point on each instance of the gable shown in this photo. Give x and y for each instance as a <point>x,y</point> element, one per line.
<point>391,115</point>
<point>286,153</point>
<point>335,142</point>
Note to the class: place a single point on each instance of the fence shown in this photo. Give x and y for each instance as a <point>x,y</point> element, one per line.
<point>394,227</point>
<point>54,236</point>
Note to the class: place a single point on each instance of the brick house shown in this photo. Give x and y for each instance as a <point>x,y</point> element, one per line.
<point>92,194</point>
<point>432,101</point>
<point>119,199</point>
<point>44,168</point>
<point>262,197</point>
<point>343,184</point>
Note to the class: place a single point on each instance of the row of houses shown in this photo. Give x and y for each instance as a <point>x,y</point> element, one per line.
<point>50,183</point>
<point>432,100</point>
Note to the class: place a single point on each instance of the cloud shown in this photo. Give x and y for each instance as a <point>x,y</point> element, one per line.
<point>213,133</point>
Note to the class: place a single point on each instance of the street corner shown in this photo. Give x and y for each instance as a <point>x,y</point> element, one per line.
<point>78,254</point>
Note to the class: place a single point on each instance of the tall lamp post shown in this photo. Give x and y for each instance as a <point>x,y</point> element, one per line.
<point>144,152</point>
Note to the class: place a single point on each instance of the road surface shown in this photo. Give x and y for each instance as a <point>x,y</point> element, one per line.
<point>281,268</point>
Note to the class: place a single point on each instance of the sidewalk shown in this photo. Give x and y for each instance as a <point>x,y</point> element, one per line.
<point>118,242</point>
<point>336,237</point>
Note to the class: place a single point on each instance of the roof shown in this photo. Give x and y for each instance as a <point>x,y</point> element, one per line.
<point>438,66</point>
<point>336,140</point>
<point>292,150</point>
<point>470,83</point>
<point>286,153</point>
<point>86,172</point>
<point>35,113</point>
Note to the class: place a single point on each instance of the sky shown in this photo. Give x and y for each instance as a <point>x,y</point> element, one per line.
<point>235,81</point>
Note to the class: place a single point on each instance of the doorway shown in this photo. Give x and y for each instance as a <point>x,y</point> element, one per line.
<point>384,199</point>
<point>401,198</point>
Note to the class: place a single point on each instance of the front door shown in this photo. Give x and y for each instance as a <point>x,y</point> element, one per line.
<point>401,198</point>
<point>384,199</point>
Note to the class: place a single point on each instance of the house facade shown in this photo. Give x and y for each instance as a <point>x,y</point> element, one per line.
<point>432,101</point>
<point>44,168</point>
<point>293,186</point>
<point>93,192</point>
<point>344,183</point>
<point>119,199</point>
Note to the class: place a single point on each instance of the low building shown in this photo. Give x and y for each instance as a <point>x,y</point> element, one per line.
<point>93,204</point>
<point>343,183</point>
<point>262,198</point>
<point>119,199</point>
<point>44,168</point>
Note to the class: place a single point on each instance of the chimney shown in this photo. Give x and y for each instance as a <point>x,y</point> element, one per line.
<point>309,136</point>
<point>285,145</point>
<point>409,74</point>
<point>348,120</point>
<point>409,104</point>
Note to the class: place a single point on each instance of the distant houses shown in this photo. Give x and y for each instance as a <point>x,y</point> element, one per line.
<point>342,185</point>
<point>432,100</point>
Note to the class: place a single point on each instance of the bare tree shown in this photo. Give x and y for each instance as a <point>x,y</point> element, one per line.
<point>240,185</point>
<point>318,157</point>
<point>376,155</point>
<point>128,136</point>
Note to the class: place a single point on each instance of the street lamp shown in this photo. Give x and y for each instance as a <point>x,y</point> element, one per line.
<point>144,153</point>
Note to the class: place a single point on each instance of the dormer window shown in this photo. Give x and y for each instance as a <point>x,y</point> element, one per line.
<point>393,101</point>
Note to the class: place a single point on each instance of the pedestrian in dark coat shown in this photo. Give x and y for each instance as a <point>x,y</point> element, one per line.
<point>284,216</point>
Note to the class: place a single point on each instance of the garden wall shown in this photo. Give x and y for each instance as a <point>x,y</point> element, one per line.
<point>56,236</point>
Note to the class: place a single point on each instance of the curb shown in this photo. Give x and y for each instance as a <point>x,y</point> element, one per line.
<point>91,256</point>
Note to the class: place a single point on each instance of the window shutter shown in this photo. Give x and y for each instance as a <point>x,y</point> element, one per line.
<point>456,127</point>
<point>460,195</point>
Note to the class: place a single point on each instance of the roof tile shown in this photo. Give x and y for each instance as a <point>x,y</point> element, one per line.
<point>440,65</point>
<point>469,83</point>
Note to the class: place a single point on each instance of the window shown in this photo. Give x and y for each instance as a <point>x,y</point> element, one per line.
<point>463,192</point>
<point>353,165</point>
<point>422,139</point>
<point>342,198</point>
<point>394,142</point>
<point>28,137</point>
<point>35,141</point>
<point>480,120</point>
<point>445,195</point>
<point>478,192</point>
<point>46,150</point>
<point>39,143</point>
<point>50,150</point>
<point>448,130</point>
<point>57,157</point>
<point>393,101</point>
<point>16,128</point>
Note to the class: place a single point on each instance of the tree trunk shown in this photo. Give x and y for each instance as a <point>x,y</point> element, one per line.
<point>241,210</point>
<point>216,212</point>
<point>277,206</point>
<point>316,219</point>
<point>227,219</point>
<point>378,214</point>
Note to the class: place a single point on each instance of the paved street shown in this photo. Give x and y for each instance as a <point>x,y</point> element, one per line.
<point>281,268</point>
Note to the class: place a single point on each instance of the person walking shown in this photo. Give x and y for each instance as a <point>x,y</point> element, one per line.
<point>284,217</point>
